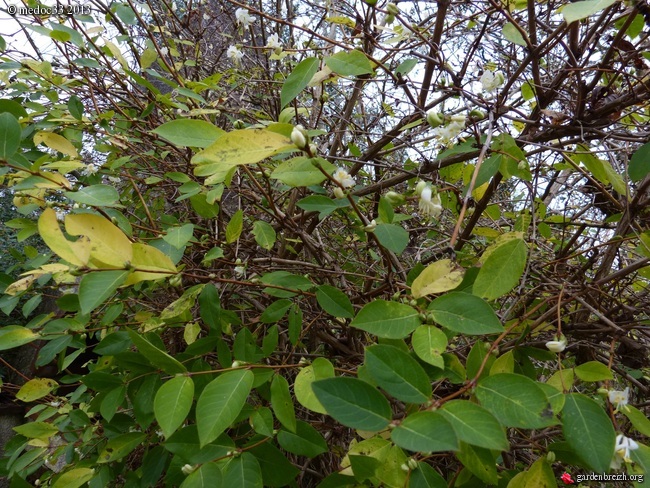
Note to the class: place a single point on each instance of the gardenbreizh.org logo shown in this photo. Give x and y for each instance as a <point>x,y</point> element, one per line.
<point>568,479</point>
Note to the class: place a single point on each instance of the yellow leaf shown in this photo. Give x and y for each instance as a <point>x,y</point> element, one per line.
<point>29,197</point>
<point>53,180</point>
<point>20,285</point>
<point>150,264</point>
<point>56,142</point>
<point>109,246</point>
<point>35,389</point>
<point>76,253</point>
<point>117,54</point>
<point>438,277</point>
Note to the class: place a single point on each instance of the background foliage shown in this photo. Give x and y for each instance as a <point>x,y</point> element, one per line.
<point>326,244</point>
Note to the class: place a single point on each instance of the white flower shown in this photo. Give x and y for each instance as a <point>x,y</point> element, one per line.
<point>556,346</point>
<point>90,169</point>
<point>430,205</point>
<point>619,398</point>
<point>622,450</point>
<point>298,137</point>
<point>491,80</point>
<point>235,54</point>
<point>449,132</point>
<point>243,17</point>
<point>164,51</point>
<point>343,178</point>
<point>115,179</point>
<point>273,42</point>
<point>60,214</point>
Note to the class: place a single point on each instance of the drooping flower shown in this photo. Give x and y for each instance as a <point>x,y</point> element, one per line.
<point>622,450</point>
<point>619,398</point>
<point>430,204</point>
<point>235,54</point>
<point>341,176</point>
<point>557,346</point>
<point>491,80</point>
<point>273,42</point>
<point>243,17</point>
<point>449,132</point>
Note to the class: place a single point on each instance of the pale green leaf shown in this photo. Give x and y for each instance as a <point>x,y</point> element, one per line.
<point>438,277</point>
<point>97,286</point>
<point>582,10</point>
<point>189,132</point>
<point>298,80</point>
<point>172,403</point>
<point>391,320</point>
<point>264,234</point>
<point>425,431</point>
<point>502,270</point>
<point>465,313</point>
<point>349,63</point>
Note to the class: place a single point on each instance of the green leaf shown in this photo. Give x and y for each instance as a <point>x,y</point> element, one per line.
<point>515,400</point>
<point>37,430</point>
<point>14,335</point>
<point>286,280</point>
<point>220,403</point>
<point>276,468</point>
<point>426,477</point>
<point>334,302</point>
<point>275,311</point>
<point>638,419</point>
<point>298,80</point>
<point>589,431</point>
<point>210,307</point>
<point>282,403</point>
<point>398,373</point>
<point>354,403</point>
<point>390,320</point>
<point>322,204</point>
<point>242,471</point>
<point>349,63</point>
<point>10,133</point>
<point>475,425</point>
<point>172,403</point>
<point>320,369</point>
<point>429,343</point>
<point>465,313</point>
<point>118,447</point>
<point>35,389</point>
<point>502,270</point>
<point>594,371</point>
<point>639,165</point>
<point>155,356</point>
<point>235,226</point>
<point>582,10</point>
<point>306,441</point>
<point>393,237</point>
<point>300,171</point>
<point>74,478</point>
<point>513,35</point>
<point>189,132</point>
<point>76,107</point>
<point>438,277</point>
<point>97,286</point>
<point>179,236</point>
<point>406,66</point>
<point>208,475</point>
<point>264,234</point>
<point>95,195</point>
<point>425,431</point>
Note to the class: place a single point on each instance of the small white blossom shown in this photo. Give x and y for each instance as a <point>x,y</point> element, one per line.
<point>556,346</point>
<point>273,42</point>
<point>90,169</point>
<point>243,17</point>
<point>298,137</point>
<point>619,398</point>
<point>235,54</point>
<point>622,450</point>
<point>491,80</point>
<point>343,178</point>
<point>240,270</point>
<point>115,179</point>
<point>449,132</point>
<point>430,205</point>
<point>60,214</point>
<point>164,51</point>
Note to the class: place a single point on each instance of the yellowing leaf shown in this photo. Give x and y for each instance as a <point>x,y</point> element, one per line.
<point>35,389</point>
<point>56,142</point>
<point>149,263</point>
<point>20,285</point>
<point>109,246</point>
<point>77,253</point>
<point>438,277</point>
<point>117,54</point>
<point>240,147</point>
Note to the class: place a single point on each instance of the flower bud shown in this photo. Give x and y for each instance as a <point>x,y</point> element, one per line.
<point>188,469</point>
<point>371,226</point>
<point>338,192</point>
<point>434,119</point>
<point>299,137</point>
<point>420,187</point>
<point>392,9</point>
<point>477,114</point>
<point>550,457</point>
<point>522,165</point>
<point>394,198</point>
<point>412,463</point>
<point>238,124</point>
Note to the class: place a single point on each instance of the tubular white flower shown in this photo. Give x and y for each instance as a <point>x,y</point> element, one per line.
<point>273,42</point>
<point>430,205</point>
<point>491,80</point>
<point>449,132</point>
<point>341,176</point>
<point>619,398</point>
<point>243,17</point>
<point>622,450</point>
<point>235,54</point>
<point>556,346</point>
